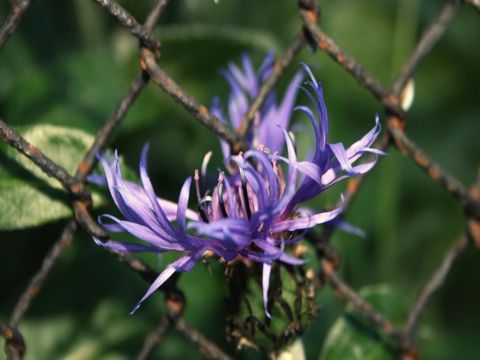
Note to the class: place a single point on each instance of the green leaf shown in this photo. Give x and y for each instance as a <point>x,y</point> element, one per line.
<point>64,337</point>
<point>351,336</point>
<point>28,197</point>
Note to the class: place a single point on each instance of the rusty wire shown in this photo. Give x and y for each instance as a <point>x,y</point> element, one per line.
<point>316,37</point>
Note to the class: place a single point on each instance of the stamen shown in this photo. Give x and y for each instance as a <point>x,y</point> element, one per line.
<point>274,163</point>
<point>245,193</point>
<point>256,120</point>
<point>220,195</point>
<point>206,160</point>
<point>255,126</point>
<point>294,142</point>
<point>278,170</point>
<point>196,177</point>
<point>263,148</point>
<point>203,214</point>
<point>201,207</point>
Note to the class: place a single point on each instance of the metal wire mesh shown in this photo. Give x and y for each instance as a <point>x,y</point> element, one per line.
<point>312,35</point>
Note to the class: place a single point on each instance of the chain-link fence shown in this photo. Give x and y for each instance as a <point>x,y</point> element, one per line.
<point>310,35</point>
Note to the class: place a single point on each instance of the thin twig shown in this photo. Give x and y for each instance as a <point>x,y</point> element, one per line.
<point>154,338</point>
<point>433,285</point>
<point>428,40</point>
<point>434,171</point>
<point>128,21</point>
<point>19,8</point>
<point>200,112</point>
<point>281,64</point>
<point>206,347</point>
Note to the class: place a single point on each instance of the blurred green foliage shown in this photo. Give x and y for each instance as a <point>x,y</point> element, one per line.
<point>70,62</point>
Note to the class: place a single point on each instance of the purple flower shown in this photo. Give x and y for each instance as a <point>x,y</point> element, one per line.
<point>252,213</point>
<point>244,87</point>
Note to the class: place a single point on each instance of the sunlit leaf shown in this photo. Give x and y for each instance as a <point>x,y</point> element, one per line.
<point>28,197</point>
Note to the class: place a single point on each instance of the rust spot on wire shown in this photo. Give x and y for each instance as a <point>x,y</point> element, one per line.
<point>340,59</point>
<point>277,67</point>
<point>83,167</point>
<point>143,64</point>
<point>475,193</point>
<point>434,173</point>
<point>76,188</point>
<point>202,110</point>
<point>411,354</point>
<point>392,99</point>
<point>388,328</point>
<point>7,333</point>
<point>328,268</point>
<point>352,186</point>
<point>33,290</point>
<point>421,160</point>
<point>397,122</point>
<point>367,307</point>
<point>34,151</point>
<point>337,293</point>
<point>474,230</point>
<point>311,15</point>
<point>323,44</point>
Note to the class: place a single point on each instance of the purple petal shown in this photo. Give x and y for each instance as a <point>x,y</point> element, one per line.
<point>320,138</point>
<point>291,260</point>
<point>271,135</point>
<point>341,155</point>
<point>366,141</point>
<point>267,65</point>
<point>162,218</point>
<point>144,233</point>
<point>97,179</point>
<point>267,269</point>
<point>273,185</point>
<point>184,263</point>
<point>306,222</point>
<point>319,103</point>
<point>252,86</point>
<point>182,204</point>
<point>349,228</point>
<point>126,247</point>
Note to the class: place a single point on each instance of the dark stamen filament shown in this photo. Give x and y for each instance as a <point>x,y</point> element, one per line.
<point>294,140</point>
<point>245,193</point>
<point>196,177</point>
<point>202,207</point>
<point>220,195</point>
<point>206,160</point>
